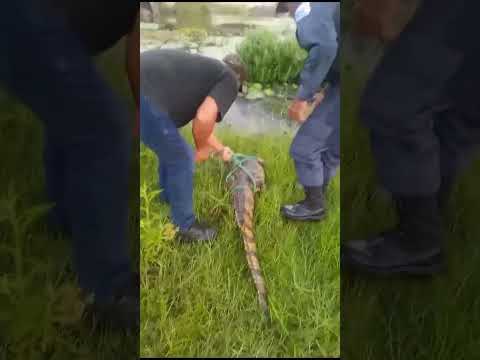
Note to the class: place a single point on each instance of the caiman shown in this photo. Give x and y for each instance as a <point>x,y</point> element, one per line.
<point>246,178</point>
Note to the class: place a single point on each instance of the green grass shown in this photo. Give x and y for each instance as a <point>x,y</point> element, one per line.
<point>271,60</point>
<point>200,301</point>
<point>39,301</point>
<point>406,319</point>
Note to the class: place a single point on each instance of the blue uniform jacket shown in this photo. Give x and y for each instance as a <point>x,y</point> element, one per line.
<point>318,33</point>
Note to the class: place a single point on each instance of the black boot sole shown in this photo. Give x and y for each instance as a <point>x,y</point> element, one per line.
<point>193,242</point>
<point>186,240</point>
<point>425,269</point>
<point>318,217</point>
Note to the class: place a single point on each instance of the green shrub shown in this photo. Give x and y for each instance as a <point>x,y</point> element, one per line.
<point>271,60</point>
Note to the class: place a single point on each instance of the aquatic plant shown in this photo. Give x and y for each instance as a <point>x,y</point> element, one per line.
<point>271,59</point>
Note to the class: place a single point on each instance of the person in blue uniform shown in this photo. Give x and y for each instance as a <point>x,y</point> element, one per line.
<point>46,50</point>
<point>422,112</point>
<point>316,147</point>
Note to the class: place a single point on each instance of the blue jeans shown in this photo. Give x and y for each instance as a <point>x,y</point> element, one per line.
<point>176,162</point>
<point>316,146</point>
<point>87,138</point>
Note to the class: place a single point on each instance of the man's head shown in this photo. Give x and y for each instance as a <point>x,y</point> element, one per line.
<point>234,62</point>
<point>287,7</point>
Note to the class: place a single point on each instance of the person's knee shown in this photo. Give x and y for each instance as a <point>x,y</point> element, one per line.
<point>303,150</point>
<point>332,157</point>
<point>181,154</point>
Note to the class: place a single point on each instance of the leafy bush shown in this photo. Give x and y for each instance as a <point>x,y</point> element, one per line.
<point>271,60</point>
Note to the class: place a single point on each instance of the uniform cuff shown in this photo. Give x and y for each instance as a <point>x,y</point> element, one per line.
<point>304,94</point>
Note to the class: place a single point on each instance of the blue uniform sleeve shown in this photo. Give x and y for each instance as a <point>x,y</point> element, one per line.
<point>318,35</point>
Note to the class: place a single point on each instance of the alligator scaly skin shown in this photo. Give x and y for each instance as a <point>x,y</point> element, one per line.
<point>244,205</point>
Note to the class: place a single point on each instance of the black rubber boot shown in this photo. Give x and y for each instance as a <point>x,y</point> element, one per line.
<point>121,313</point>
<point>312,208</point>
<point>198,232</point>
<point>414,247</point>
<point>314,197</point>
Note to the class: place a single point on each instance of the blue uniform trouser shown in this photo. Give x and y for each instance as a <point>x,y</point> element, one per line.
<point>87,137</point>
<point>316,146</point>
<point>416,143</point>
<point>176,162</point>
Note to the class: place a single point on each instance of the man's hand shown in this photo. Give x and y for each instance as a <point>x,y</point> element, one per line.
<point>298,109</point>
<point>226,154</point>
<point>318,98</point>
<point>203,154</point>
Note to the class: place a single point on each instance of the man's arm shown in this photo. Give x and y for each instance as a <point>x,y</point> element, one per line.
<point>204,122</point>
<point>317,65</point>
<point>133,61</point>
<point>202,128</point>
<point>216,104</point>
<point>322,36</point>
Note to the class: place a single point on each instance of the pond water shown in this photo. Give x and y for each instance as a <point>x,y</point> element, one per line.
<point>279,25</point>
<point>247,117</point>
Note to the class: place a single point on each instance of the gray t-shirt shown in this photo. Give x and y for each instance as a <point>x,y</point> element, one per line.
<point>178,82</point>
